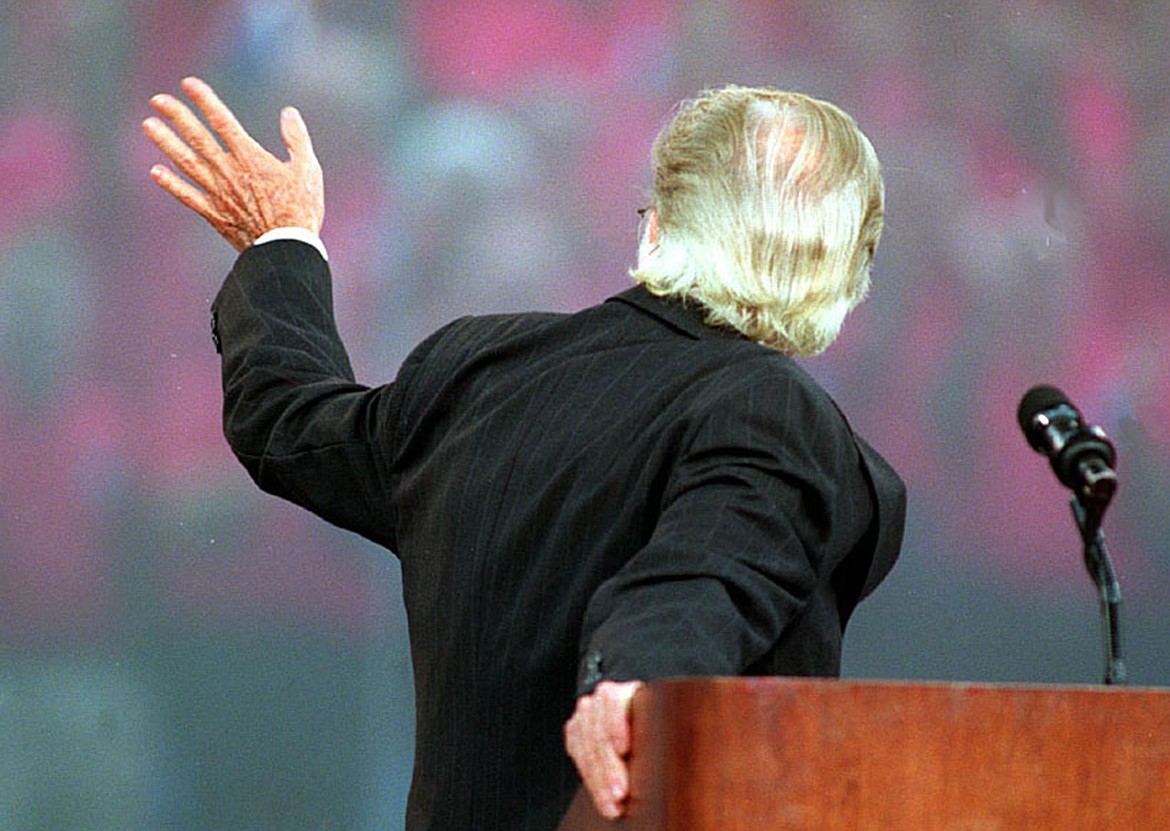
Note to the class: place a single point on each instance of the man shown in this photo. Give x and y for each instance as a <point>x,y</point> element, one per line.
<point>580,503</point>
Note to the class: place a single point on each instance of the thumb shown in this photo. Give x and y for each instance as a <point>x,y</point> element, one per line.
<point>295,135</point>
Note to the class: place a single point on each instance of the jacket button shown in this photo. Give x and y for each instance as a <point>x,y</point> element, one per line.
<point>215,332</point>
<point>592,675</point>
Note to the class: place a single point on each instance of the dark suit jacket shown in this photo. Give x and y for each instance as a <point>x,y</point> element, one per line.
<point>619,493</point>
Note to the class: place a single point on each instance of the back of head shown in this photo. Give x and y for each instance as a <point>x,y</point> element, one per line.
<point>769,207</point>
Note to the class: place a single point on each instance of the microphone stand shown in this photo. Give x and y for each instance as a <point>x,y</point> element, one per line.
<point>1088,515</point>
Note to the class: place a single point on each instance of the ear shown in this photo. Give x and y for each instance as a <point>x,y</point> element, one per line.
<point>651,220</point>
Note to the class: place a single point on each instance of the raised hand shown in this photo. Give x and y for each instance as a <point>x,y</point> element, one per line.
<point>240,188</point>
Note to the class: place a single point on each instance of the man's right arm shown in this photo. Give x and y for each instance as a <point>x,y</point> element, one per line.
<point>763,502</point>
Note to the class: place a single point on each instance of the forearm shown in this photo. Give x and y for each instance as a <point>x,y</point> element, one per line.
<point>273,322</point>
<point>293,413</point>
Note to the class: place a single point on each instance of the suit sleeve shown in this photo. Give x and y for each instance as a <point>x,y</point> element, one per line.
<point>749,524</point>
<point>293,413</point>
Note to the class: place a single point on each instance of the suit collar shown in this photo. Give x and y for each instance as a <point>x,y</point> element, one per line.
<point>686,316</point>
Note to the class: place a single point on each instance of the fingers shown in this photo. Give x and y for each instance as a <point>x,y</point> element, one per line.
<point>199,202</point>
<point>238,187</point>
<point>221,119</point>
<point>184,191</point>
<point>178,152</point>
<point>296,137</point>
<point>197,136</point>
<point>617,729</point>
<point>597,738</point>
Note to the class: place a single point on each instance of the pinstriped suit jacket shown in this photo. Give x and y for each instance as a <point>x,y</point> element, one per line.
<point>620,493</point>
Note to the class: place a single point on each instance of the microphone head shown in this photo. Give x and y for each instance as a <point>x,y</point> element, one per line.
<point>1081,455</point>
<point>1037,400</point>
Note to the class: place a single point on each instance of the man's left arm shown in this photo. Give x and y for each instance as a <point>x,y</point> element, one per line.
<point>293,413</point>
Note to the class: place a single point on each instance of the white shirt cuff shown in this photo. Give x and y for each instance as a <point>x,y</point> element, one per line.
<point>292,232</point>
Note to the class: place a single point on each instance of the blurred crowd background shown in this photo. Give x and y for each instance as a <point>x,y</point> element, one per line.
<point>180,651</point>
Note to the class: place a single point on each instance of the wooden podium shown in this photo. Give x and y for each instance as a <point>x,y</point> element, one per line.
<point>746,754</point>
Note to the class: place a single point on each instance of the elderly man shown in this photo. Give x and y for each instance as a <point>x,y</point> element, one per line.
<point>650,487</point>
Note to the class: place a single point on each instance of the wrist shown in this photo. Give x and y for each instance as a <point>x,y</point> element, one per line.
<point>295,233</point>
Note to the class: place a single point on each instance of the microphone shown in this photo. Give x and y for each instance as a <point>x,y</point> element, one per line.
<point>1081,455</point>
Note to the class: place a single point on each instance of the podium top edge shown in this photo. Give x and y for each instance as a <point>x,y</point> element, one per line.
<point>773,682</point>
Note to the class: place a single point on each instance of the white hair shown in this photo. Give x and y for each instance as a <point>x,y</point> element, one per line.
<point>769,207</point>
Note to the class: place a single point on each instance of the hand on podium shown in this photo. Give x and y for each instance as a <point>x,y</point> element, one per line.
<point>597,738</point>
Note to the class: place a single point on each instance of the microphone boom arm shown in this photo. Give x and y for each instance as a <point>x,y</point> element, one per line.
<point>1101,570</point>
